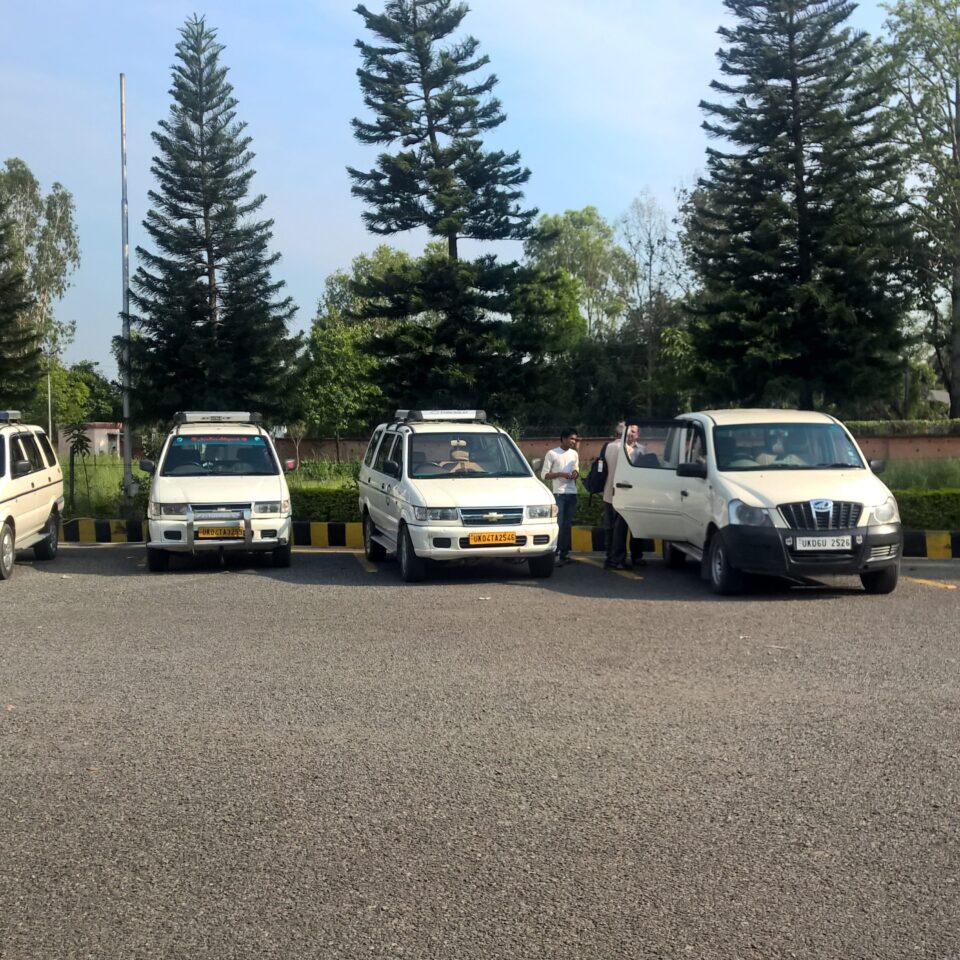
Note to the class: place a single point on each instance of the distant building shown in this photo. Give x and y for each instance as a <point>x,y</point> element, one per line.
<point>104,438</point>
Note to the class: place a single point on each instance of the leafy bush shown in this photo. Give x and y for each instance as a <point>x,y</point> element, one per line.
<point>325,471</point>
<point>922,474</point>
<point>326,503</point>
<point>903,428</point>
<point>929,509</point>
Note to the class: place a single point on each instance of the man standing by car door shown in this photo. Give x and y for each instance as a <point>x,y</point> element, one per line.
<point>615,526</point>
<point>561,465</point>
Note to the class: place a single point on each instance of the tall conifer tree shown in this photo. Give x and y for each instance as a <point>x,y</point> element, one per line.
<point>211,329</point>
<point>797,232</point>
<point>20,355</point>
<point>425,101</point>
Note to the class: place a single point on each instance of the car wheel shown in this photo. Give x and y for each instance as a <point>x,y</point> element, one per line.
<point>542,567</point>
<point>7,549</point>
<point>373,551</point>
<point>881,581</point>
<point>412,568</point>
<point>672,557</point>
<point>281,556</point>
<point>47,549</point>
<point>724,578</point>
<point>158,560</point>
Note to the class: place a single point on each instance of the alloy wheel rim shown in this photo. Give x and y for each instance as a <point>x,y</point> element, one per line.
<point>718,565</point>
<point>6,551</point>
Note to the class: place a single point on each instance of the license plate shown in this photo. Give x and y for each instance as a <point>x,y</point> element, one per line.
<point>220,533</point>
<point>478,539</point>
<point>823,543</point>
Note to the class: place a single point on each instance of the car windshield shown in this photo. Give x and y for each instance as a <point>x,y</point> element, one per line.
<point>784,446</point>
<point>199,455</point>
<point>472,455</point>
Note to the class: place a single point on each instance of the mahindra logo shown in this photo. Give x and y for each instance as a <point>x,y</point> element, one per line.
<point>822,506</point>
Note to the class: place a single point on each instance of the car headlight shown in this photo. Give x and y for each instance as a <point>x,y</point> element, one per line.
<point>887,512</point>
<point>747,516</point>
<point>543,512</point>
<point>268,506</point>
<point>158,509</point>
<point>436,513</point>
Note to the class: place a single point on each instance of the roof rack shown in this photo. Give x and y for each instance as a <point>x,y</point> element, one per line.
<point>461,416</point>
<point>10,416</point>
<point>216,416</point>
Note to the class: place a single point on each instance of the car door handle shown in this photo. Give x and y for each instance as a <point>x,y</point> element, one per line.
<point>625,486</point>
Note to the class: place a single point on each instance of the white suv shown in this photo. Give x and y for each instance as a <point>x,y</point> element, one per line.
<point>783,492</point>
<point>31,492</point>
<point>219,486</point>
<point>447,485</point>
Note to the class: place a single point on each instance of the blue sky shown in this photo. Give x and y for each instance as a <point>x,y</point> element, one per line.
<point>601,100</point>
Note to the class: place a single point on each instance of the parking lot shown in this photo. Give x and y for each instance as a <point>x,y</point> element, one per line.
<point>240,761</point>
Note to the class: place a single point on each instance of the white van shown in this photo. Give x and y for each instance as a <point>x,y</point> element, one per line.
<point>447,485</point>
<point>219,486</point>
<point>31,492</point>
<point>783,492</point>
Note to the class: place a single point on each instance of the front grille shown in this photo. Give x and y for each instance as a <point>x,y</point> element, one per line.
<point>842,515</point>
<point>491,516</point>
<point>465,544</point>
<point>219,511</point>
<point>540,539</point>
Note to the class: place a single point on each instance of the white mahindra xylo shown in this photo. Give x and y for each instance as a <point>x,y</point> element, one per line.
<point>446,485</point>
<point>219,486</point>
<point>782,492</point>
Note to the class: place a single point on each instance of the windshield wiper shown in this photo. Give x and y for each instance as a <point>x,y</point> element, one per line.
<point>838,466</point>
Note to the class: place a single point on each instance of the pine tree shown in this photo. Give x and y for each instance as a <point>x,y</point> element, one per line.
<point>424,101</point>
<point>797,233</point>
<point>20,355</point>
<point>211,330</point>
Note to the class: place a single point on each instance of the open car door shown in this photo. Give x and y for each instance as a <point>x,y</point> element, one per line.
<point>647,490</point>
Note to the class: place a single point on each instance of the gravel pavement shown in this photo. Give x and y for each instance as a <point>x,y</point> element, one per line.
<point>324,762</point>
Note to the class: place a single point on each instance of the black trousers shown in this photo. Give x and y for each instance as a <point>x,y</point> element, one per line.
<point>617,535</point>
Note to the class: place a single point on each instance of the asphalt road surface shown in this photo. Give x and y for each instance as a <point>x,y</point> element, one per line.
<point>323,762</point>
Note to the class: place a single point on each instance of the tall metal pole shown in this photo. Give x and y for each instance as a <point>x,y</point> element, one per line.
<point>128,491</point>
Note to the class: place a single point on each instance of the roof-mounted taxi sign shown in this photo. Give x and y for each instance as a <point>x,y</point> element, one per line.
<point>216,416</point>
<point>462,415</point>
<point>9,416</point>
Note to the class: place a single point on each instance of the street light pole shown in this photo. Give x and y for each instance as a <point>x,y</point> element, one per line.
<point>128,491</point>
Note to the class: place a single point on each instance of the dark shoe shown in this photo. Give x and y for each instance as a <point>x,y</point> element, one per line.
<point>639,562</point>
<point>614,566</point>
<point>561,561</point>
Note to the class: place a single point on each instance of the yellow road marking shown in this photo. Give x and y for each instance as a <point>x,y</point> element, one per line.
<point>629,574</point>
<point>365,563</point>
<point>932,583</point>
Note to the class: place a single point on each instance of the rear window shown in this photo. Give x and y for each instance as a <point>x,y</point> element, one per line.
<point>200,455</point>
<point>47,449</point>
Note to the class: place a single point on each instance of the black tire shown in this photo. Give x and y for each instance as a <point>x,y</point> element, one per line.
<point>675,559</point>
<point>881,581</point>
<point>724,579</point>
<point>282,555</point>
<point>372,550</point>
<point>158,561</point>
<point>8,548</point>
<point>541,567</point>
<point>47,549</point>
<point>412,568</point>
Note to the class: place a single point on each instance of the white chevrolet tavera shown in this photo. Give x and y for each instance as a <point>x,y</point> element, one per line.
<point>447,485</point>
<point>219,486</point>
<point>781,492</point>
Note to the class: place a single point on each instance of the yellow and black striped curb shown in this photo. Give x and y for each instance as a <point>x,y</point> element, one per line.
<point>933,544</point>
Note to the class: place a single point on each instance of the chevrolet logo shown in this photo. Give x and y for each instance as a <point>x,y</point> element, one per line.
<point>493,516</point>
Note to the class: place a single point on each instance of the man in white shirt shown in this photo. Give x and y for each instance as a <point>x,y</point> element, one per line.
<point>561,465</point>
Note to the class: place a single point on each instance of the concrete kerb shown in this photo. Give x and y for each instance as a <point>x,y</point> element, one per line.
<point>933,544</point>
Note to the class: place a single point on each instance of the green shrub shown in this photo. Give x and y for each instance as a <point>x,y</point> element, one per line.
<point>922,474</point>
<point>326,471</point>
<point>903,428</point>
<point>929,509</point>
<point>337,504</point>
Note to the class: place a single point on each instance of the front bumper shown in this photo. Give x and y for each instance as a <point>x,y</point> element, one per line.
<point>184,536</point>
<point>436,541</point>
<point>771,550</point>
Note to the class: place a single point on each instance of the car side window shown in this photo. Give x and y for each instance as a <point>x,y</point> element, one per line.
<point>33,452</point>
<point>371,449</point>
<point>383,453</point>
<point>47,449</point>
<point>3,456</point>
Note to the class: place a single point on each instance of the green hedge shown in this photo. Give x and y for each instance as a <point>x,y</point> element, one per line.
<point>919,509</point>
<point>903,428</point>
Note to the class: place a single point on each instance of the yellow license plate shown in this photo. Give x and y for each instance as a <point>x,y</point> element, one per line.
<point>220,533</point>
<point>478,539</point>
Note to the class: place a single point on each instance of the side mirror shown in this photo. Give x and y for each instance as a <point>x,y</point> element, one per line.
<point>148,466</point>
<point>878,466</point>
<point>392,468</point>
<point>21,468</point>
<point>537,463</point>
<point>289,465</point>
<point>698,470</point>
